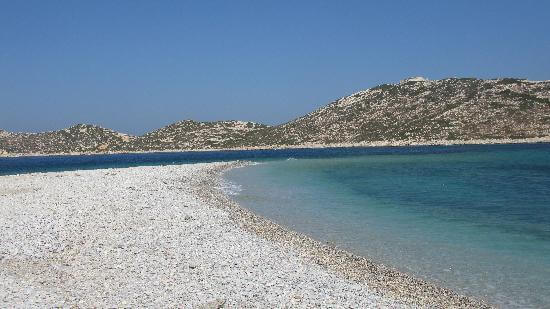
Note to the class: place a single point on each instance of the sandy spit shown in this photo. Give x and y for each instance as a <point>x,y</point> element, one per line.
<point>167,236</point>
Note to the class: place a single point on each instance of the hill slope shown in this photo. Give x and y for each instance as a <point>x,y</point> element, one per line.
<point>191,134</point>
<point>78,138</point>
<point>415,110</point>
<point>422,110</point>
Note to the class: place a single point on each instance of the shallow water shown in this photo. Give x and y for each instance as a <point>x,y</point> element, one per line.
<point>476,219</point>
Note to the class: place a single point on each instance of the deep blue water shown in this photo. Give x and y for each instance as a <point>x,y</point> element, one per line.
<point>31,164</point>
<point>472,218</point>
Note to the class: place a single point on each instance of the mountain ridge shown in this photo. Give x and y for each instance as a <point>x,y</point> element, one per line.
<point>415,110</point>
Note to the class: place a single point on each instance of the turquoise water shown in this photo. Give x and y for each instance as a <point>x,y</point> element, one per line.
<point>476,221</point>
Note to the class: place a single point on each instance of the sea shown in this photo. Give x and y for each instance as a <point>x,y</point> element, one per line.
<point>473,218</point>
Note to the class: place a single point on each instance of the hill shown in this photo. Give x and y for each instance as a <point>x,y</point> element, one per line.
<point>81,138</point>
<point>416,110</point>
<point>419,110</point>
<point>191,134</point>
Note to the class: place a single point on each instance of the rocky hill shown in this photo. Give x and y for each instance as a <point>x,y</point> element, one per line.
<point>191,134</point>
<point>80,138</point>
<point>414,110</point>
<point>418,110</point>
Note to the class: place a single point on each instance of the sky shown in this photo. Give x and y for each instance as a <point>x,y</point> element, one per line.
<point>134,66</point>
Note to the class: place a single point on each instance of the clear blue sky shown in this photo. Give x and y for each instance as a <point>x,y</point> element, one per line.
<point>138,65</point>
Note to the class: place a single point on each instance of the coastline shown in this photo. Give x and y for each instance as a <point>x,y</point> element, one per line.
<point>144,237</point>
<point>168,236</point>
<point>385,280</point>
<point>532,140</point>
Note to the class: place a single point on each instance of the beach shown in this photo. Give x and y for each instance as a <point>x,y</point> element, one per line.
<point>167,236</point>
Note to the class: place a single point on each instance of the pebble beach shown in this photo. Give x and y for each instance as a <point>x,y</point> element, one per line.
<point>167,236</point>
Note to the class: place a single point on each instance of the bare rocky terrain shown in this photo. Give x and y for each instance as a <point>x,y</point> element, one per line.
<point>416,110</point>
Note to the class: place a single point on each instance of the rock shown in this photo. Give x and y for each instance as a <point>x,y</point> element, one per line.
<point>214,304</point>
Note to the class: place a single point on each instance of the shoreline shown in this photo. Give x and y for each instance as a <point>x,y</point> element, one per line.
<point>385,280</point>
<point>531,140</point>
<point>169,236</point>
